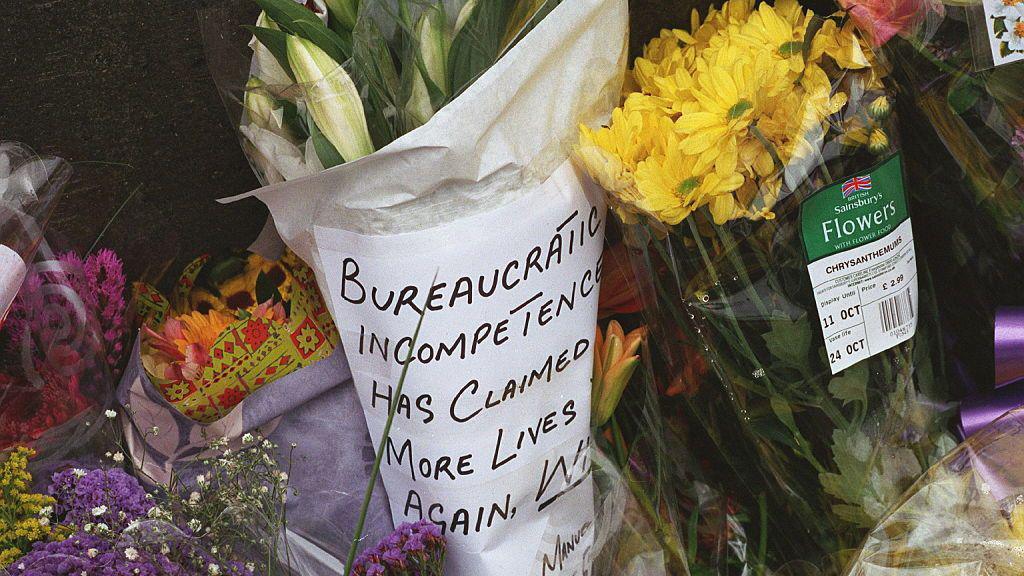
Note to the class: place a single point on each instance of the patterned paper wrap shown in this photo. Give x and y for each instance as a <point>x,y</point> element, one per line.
<point>253,351</point>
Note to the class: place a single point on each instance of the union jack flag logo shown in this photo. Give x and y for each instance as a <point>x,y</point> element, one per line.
<point>856,184</point>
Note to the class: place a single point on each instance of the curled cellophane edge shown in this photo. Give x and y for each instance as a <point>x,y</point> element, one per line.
<point>965,516</point>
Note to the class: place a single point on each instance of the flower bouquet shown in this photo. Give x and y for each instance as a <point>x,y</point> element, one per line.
<point>964,147</point>
<point>243,346</point>
<point>439,133</point>
<point>225,520</point>
<point>60,350</point>
<point>233,325</point>
<point>754,164</point>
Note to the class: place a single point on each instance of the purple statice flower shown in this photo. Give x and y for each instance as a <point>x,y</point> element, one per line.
<point>104,273</point>
<point>111,497</point>
<point>90,554</point>
<point>414,549</point>
<point>70,299</point>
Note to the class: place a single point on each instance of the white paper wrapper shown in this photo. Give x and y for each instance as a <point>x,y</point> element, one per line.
<point>12,273</point>
<point>480,188</point>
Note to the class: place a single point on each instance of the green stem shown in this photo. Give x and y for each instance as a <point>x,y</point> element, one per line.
<point>619,442</point>
<point>762,543</point>
<point>664,534</point>
<point>357,535</point>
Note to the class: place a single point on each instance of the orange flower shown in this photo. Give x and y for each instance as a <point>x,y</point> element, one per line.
<point>615,359</point>
<point>620,292</point>
<point>687,380</point>
<point>180,350</point>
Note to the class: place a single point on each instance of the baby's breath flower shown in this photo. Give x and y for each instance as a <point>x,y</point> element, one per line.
<point>110,414</point>
<point>131,553</point>
<point>247,438</point>
<point>99,510</point>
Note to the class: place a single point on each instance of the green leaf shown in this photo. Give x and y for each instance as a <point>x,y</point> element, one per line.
<point>784,412</point>
<point>325,151</point>
<point>852,385</point>
<point>478,43</point>
<point>298,20</point>
<point>789,340</point>
<point>963,95</point>
<point>266,289</point>
<point>275,41</point>
<point>221,271</point>
<point>791,48</point>
<point>999,26</point>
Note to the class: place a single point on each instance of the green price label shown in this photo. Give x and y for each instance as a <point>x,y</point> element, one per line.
<point>854,211</point>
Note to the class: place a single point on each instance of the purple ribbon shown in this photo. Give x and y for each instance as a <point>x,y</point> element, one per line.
<point>978,411</point>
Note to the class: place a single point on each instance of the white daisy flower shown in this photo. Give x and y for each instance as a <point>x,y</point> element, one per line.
<point>1012,9</point>
<point>1015,37</point>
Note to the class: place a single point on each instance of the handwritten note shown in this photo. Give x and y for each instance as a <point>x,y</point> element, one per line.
<point>492,433</point>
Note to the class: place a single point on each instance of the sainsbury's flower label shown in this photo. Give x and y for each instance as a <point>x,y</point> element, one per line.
<point>1004,28</point>
<point>491,438</point>
<point>12,272</point>
<point>862,264</point>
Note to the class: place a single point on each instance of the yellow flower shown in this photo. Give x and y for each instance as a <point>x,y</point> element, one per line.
<point>780,29</point>
<point>201,329</point>
<point>734,90</point>
<point>721,109</point>
<point>879,108</point>
<point>843,45</point>
<point>21,519</point>
<point>671,188</point>
<point>878,142</point>
<point>615,359</point>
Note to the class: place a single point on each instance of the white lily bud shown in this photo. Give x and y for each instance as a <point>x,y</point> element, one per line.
<point>258,104</point>
<point>331,97</point>
<point>434,41</point>
<point>264,64</point>
<point>464,14</point>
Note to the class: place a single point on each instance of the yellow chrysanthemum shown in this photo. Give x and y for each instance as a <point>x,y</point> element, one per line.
<point>722,109</point>
<point>671,187</point>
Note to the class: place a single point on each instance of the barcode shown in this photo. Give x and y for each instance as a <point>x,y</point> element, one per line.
<point>896,311</point>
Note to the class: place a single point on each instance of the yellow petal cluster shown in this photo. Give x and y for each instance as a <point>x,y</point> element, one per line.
<point>720,109</point>
<point>21,522</point>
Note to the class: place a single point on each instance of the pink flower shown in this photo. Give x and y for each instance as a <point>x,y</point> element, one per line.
<point>880,20</point>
